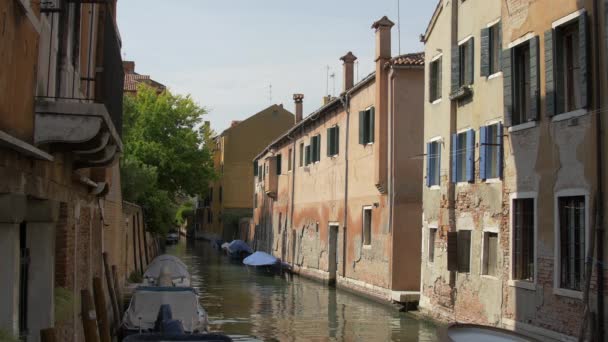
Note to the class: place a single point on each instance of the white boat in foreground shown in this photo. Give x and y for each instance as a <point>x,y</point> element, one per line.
<point>481,333</point>
<point>170,266</point>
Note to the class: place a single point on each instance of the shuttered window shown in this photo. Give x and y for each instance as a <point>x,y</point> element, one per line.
<point>315,148</point>
<point>523,239</point>
<point>490,151</point>
<point>566,58</point>
<point>366,126</point>
<point>464,251</point>
<point>307,155</point>
<point>289,160</point>
<point>255,168</point>
<point>491,42</point>
<point>279,164</point>
<point>333,141</point>
<point>433,163</point>
<point>572,232</point>
<point>463,157</point>
<point>521,82</point>
<point>435,79</point>
<point>466,60</point>
<point>302,154</point>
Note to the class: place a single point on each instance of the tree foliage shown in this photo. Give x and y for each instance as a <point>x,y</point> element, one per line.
<point>166,153</point>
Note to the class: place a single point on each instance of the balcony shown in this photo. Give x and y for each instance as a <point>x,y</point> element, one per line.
<point>82,114</point>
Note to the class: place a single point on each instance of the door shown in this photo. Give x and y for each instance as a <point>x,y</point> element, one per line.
<point>333,252</point>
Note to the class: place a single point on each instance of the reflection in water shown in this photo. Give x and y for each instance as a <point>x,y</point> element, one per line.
<point>250,306</point>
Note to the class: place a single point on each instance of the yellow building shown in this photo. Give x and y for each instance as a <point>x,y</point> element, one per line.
<point>230,197</point>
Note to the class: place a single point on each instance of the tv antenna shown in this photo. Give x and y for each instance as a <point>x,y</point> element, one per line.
<point>333,79</point>
<point>270,93</point>
<point>399,24</point>
<point>327,80</point>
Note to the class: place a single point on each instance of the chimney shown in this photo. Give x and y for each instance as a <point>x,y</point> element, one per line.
<point>348,70</point>
<point>383,55</point>
<point>128,67</point>
<point>298,98</point>
<point>326,99</point>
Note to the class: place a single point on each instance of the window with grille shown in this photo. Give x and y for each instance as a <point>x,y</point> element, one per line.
<point>572,230</point>
<point>523,239</point>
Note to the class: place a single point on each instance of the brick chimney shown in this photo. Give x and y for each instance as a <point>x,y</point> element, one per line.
<point>128,67</point>
<point>348,70</point>
<point>298,98</point>
<point>383,55</point>
<point>326,99</point>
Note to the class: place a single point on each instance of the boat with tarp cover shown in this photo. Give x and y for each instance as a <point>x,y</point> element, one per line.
<point>481,333</point>
<point>172,266</point>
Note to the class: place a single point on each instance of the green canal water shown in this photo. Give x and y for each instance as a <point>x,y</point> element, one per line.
<point>249,306</point>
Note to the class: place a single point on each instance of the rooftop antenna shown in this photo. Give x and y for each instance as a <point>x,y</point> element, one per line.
<point>327,80</point>
<point>399,24</point>
<point>333,79</point>
<point>270,93</point>
<point>357,67</point>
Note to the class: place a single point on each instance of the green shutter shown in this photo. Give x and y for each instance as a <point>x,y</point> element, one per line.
<point>507,75</point>
<point>362,127</point>
<point>549,73</point>
<point>485,52</point>
<point>499,37</point>
<point>583,55</point>
<point>307,155</point>
<point>455,69</point>
<point>318,154</point>
<point>330,148</point>
<point>255,168</point>
<point>279,164</point>
<point>534,79</point>
<point>372,123</point>
<point>337,140</point>
<point>470,46</point>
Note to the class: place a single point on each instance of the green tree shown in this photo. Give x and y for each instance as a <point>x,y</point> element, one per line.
<point>167,154</point>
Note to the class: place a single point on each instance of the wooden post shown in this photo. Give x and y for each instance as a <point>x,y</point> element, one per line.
<point>117,289</point>
<point>48,335</point>
<point>143,225</point>
<point>103,322</point>
<point>134,228</point>
<point>111,289</point>
<point>89,319</point>
<point>139,242</point>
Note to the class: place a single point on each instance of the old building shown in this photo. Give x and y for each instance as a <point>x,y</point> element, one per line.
<point>230,196</point>
<point>511,103</point>
<point>338,196</point>
<point>133,79</point>
<point>60,130</point>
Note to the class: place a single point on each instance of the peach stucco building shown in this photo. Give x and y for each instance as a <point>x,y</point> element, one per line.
<point>338,196</point>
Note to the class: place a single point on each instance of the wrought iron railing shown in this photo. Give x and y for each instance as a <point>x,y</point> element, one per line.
<point>113,74</point>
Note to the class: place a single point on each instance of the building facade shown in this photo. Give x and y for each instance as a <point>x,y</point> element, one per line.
<point>511,168</point>
<point>338,196</point>
<point>230,196</point>
<point>60,132</point>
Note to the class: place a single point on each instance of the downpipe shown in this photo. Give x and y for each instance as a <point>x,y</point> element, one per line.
<point>345,100</point>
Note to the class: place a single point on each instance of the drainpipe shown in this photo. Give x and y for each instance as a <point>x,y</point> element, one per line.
<point>600,195</point>
<point>346,104</point>
<point>451,186</point>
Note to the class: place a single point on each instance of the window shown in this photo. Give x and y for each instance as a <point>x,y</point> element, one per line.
<point>433,163</point>
<point>572,233</point>
<point>367,226</point>
<point>308,156</point>
<point>463,156</point>
<point>315,148</point>
<point>255,168</point>
<point>260,172</point>
<point>435,80</point>
<point>366,126</point>
<point>464,251</point>
<point>209,217</point>
<point>491,45</point>
<point>522,83</point>
<point>490,254</point>
<point>490,151</point>
<point>432,235</point>
<point>301,154</point>
<point>289,160</point>
<point>210,195</point>
<point>279,163</point>
<point>466,53</point>
<point>333,141</point>
<point>255,200</point>
<point>221,194</point>
<point>523,239</point>
<point>567,79</point>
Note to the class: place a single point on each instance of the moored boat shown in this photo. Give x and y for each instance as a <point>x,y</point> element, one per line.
<point>263,262</point>
<point>238,249</point>
<point>171,265</point>
<point>480,333</point>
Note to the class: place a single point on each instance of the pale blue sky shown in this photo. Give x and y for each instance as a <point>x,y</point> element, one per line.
<point>225,53</point>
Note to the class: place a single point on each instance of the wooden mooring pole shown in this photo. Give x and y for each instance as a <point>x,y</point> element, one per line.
<point>89,318</point>
<point>117,290</point>
<point>48,335</point>
<point>103,322</point>
<point>110,284</point>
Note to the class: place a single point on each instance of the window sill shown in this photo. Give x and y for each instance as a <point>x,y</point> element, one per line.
<point>522,284</point>
<point>464,92</point>
<point>489,277</point>
<point>568,293</point>
<point>463,183</point>
<point>523,126</point>
<point>435,187</point>
<point>495,75</point>
<point>569,115</point>
<point>367,246</point>
<point>436,101</point>
<point>493,180</point>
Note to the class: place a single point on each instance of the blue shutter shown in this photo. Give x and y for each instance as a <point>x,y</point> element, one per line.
<point>483,148</point>
<point>454,159</point>
<point>470,156</point>
<point>499,142</point>
<point>429,177</point>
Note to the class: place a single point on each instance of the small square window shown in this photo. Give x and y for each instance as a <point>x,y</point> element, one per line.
<point>367,226</point>
<point>490,253</point>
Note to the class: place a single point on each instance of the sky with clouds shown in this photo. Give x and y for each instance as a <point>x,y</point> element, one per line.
<point>226,53</point>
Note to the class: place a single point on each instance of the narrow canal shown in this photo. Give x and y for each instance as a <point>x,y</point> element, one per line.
<point>255,307</point>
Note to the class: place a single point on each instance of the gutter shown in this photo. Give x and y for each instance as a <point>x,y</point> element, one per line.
<point>346,104</point>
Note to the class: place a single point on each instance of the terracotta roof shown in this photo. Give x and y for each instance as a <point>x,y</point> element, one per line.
<point>410,59</point>
<point>132,80</point>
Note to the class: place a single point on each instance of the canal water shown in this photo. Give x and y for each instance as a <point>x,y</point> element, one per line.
<point>249,306</point>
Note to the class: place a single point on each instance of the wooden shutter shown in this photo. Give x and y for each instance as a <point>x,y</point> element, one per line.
<point>455,68</point>
<point>534,79</point>
<point>279,164</point>
<point>307,155</point>
<point>550,72</point>
<point>372,124</point>
<point>429,176</point>
<point>507,76</point>
<point>318,154</point>
<point>453,251</point>
<point>470,155</point>
<point>336,140</point>
<point>464,251</point>
<point>255,168</point>
<point>483,150</point>
<point>583,55</point>
<point>484,48</point>
<point>470,46</point>
<point>329,142</point>
<point>362,127</point>
<point>454,149</point>
<point>500,157</point>
<point>499,37</point>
